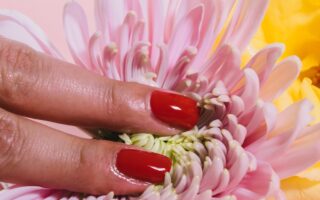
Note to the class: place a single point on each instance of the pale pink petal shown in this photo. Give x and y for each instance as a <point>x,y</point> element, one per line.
<point>270,115</point>
<point>77,33</point>
<point>256,184</point>
<point>18,27</point>
<point>95,54</point>
<point>163,61</point>
<point>206,195</point>
<point>185,33</point>
<point>157,13</point>
<point>238,169</point>
<point>237,105</point>
<point>223,65</point>
<point>137,7</point>
<point>280,78</point>
<point>124,32</point>
<point>215,16</point>
<point>256,119</point>
<point>213,64</point>
<point>109,16</point>
<point>175,74</point>
<point>302,154</point>
<point>262,126</point>
<point>26,192</point>
<point>211,175</point>
<point>230,72</point>
<point>244,23</point>
<point>251,89</point>
<point>263,62</point>
<point>192,190</point>
<point>288,126</point>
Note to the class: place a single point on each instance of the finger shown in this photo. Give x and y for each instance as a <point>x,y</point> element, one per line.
<point>34,154</point>
<point>40,86</point>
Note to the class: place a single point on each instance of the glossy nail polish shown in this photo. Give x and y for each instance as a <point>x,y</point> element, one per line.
<point>176,110</point>
<point>143,165</point>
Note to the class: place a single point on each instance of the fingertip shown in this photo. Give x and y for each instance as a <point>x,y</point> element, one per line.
<point>142,165</point>
<point>176,110</point>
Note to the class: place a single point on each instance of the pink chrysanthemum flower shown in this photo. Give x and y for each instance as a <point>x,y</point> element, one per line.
<point>242,146</point>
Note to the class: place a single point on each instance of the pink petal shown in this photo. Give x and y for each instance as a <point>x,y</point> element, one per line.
<point>238,169</point>
<point>179,70</point>
<point>262,62</point>
<point>244,23</point>
<point>157,13</point>
<point>224,65</point>
<point>18,27</point>
<point>186,33</point>
<point>303,153</point>
<point>256,120</point>
<point>95,54</point>
<point>280,78</point>
<point>26,192</point>
<point>270,116</point>
<point>289,125</point>
<point>251,89</point>
<point>256,184</point>
<point>261,123</point>
<point>230,72</point>
<point>215,16</point>
<point>77,33</point>
<point>192,190</point>
<point>211,175</point>
<point>110,15</point>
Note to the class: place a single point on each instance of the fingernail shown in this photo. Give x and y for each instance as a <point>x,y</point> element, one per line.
<point>176,110</point>
<point>142,165</point>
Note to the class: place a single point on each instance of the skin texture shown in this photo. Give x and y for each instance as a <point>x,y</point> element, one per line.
<point>35,85</point>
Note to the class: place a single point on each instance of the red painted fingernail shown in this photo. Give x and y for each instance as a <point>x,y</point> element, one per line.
<point>142,165</point>
<point>176,110</point>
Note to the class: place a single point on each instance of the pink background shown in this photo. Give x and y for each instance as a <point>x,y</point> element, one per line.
<point>48,15</point>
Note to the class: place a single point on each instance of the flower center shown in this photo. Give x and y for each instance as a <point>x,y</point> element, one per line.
<point>313,74</point>
<point>211,154</point>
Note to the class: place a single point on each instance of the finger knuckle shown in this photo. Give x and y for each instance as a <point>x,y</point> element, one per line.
<point>109,99</point>
<point>10,140</point>
<point>18,70</point>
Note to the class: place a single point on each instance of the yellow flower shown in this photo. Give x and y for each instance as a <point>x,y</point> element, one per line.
<point>296,24</point>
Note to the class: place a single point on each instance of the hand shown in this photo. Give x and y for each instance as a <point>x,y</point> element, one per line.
<point>38,86</point>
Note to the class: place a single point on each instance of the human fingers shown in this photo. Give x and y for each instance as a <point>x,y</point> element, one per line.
<point>34,154</point>
<point>39,86</point>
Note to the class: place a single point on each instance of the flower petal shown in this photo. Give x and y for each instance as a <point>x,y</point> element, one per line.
<point>77,33</point>
<point>256,184</point>
<point>215,16</point>
<point>186,33</point>
<point>289,125</point>
<point>21,28</point>
<point>263,61</point>
<point>109,16</point>
<point>280,78</point>
<point>302,154</point>
<point>26,192</point>
<point>244,23</point>
<point>251,89</point>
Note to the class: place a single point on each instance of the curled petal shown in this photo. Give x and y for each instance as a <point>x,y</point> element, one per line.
<point>16,26</point>
<point>303,153</point>
<point>77,33</point>
<point>280,78</point>
<point>244,23</point>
